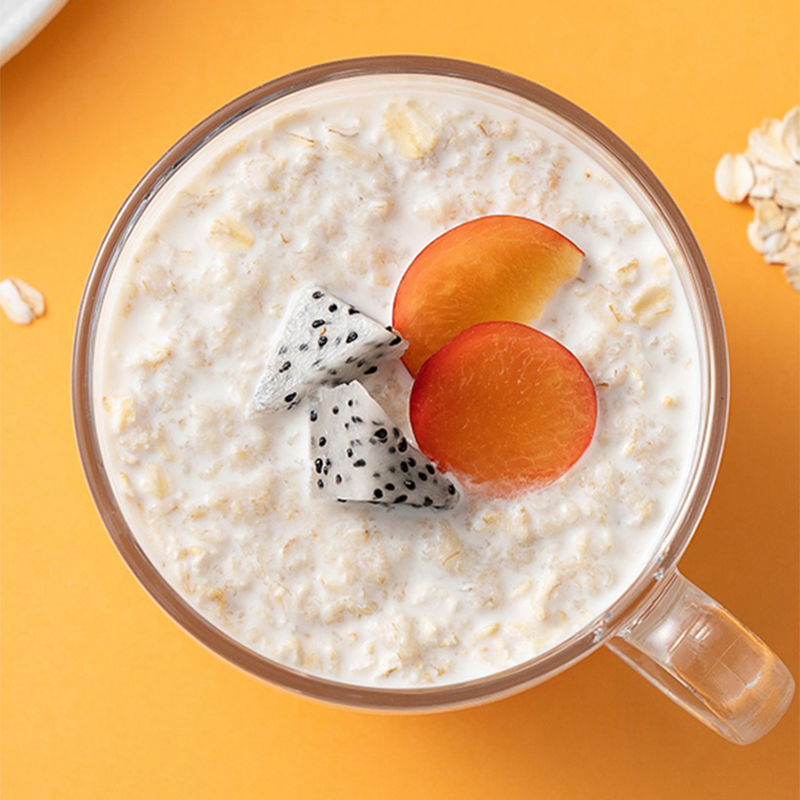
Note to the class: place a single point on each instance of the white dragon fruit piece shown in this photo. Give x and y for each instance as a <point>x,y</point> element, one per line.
<point>359,454</point>
<point>323,341</point>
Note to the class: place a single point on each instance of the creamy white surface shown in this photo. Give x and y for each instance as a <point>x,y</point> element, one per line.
<point>340,195</point>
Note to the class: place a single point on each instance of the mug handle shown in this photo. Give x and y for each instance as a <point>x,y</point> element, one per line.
<point>702,657</point>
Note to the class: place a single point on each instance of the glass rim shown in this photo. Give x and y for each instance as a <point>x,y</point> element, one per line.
<point>635,597</point>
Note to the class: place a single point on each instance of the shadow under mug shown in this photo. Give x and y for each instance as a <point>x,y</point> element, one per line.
<point>666,628</point>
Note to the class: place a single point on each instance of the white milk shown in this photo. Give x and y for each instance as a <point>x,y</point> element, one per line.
<point>343,185</point>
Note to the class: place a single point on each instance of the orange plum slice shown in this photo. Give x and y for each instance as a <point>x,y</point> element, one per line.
<point>500,268</point>
<point>503,407</point>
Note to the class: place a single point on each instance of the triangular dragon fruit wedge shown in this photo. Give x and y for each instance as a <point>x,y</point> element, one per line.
<point>323,341</point>
<point>359,454</point>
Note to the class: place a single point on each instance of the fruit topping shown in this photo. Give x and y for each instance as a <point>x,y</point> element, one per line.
<point>323,341</point>
<point>503,407</point>
<point>359,454</point>
<point>499,268</point>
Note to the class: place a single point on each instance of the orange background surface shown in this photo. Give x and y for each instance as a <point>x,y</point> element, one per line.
<point>102,695</point>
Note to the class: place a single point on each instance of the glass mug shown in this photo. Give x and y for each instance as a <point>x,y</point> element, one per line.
<point>666,628</point>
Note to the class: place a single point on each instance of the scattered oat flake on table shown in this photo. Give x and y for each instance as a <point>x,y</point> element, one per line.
<point>769,217</point>
<point>734,177</point>
<point>20,301</point>
<point>792,273</point>
<point>767,174</point>
<point>791,133</point>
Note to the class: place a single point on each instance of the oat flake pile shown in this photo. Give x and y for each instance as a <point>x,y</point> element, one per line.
<point>767,175</point>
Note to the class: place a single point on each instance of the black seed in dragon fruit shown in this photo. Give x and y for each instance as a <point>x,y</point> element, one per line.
<point>359,454</point>
<point>323,341</point>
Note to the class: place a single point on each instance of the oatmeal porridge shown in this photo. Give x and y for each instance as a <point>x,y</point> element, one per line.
<point>341,186</point>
